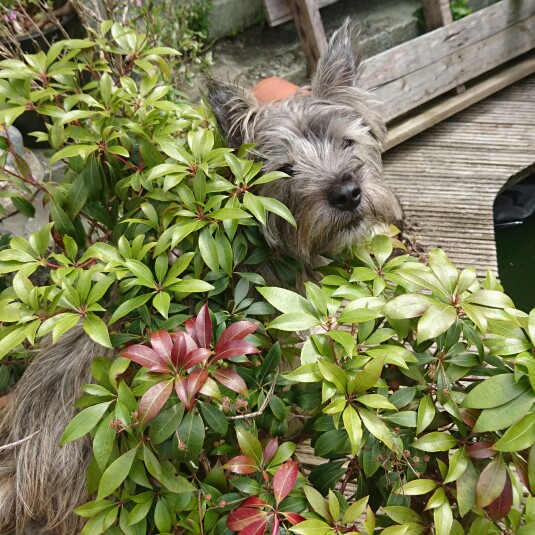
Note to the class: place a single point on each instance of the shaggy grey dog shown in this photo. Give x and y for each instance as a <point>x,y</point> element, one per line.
<point>329,142</point>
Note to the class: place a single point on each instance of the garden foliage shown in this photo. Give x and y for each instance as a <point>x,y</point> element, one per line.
<point>415,382</point>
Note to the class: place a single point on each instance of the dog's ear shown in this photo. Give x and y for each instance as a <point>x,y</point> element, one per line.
<point>338,66</point>
<point>232,107</point>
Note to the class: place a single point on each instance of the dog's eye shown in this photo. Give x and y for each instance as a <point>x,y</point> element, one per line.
<point>288,169</point>
<point>346,143</point>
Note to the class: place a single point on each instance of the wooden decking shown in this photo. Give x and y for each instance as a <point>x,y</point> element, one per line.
<point>448,176</point>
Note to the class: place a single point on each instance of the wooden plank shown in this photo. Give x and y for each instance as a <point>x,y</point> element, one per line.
<point>397,133</point>
<point>422,69</point>
<point>279,11</point>
<point>309,26</point>
<point>447,178</point>
<point>437,13</point>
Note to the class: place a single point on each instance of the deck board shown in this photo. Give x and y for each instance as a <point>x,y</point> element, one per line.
<point>448,176</point>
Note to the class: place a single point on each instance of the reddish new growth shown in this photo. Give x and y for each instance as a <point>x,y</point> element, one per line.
<point>190,362</point>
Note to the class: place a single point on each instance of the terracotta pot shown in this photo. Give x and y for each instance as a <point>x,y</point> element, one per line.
<point>273,88</point>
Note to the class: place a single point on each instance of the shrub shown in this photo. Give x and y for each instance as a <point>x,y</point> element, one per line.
<point>414,383</point>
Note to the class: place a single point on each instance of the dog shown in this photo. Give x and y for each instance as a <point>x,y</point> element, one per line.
<point>329,141</point>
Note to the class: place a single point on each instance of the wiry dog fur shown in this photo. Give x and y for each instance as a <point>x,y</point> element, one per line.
<point>41,483</point>
<point>329,141</point>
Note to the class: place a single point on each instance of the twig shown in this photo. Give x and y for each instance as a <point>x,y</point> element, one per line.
<point>21,441</point>
<point>259,411</point>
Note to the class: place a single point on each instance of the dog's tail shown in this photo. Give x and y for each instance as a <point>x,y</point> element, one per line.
<point>41,482</point>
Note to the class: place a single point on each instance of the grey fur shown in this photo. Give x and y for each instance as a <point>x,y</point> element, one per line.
<point>329,137</point>
<point>40,482</point>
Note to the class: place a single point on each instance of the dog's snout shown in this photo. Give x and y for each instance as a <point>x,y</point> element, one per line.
<point>345,196</point>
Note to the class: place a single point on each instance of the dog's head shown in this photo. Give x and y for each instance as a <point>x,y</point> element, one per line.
<point>329,142</point>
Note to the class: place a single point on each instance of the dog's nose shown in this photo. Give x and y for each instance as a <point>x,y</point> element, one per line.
<point>345,196</point>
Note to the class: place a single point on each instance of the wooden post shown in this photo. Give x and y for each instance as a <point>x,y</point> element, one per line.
<point>309,26</point>
<point>437,13</point>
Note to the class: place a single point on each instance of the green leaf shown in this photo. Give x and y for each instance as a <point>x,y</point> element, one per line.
<point>116,473</point>
<point>286,301</point>
<point>437,319</point>
<point>417,487</point>
<point>317,502</point>
<point>368,376</point>
<point>104,441</point>
<point>249,445</point>
<point>161,302</point>
<point>495,391</point>
<point>408,306</point>
<point>376,427</point>
<point>457,465</point>
<point>208,250</point>
<point>353,426</point>
<point>214,418</point>
<point>354,313</point>
<point>141,272</point>
<point>490,298</point>
<point>381,247</point>
<point>311,527</point>
<point>491,482</point>
<point>97,329</point>
<point>294,322</point>
<point>520,436</point>
<point>166,423</point>
<point>127,307</point>
<point>272,205</point>
<point>435,441</point>
<point>334,374</point>
<point>443,517</point>
<point>444,269</point>
<point>191,433</point>
<point>83,422</point>
<point>353,512</point>
<point>466,489</point>
<point>426,413</point>
<point>505,415</point>
<point>140,511</point>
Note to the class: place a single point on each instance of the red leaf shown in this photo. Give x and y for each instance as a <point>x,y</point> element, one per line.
<point>276,525</point>
<point>180,389</point>
<point>284,480</point>
<point>195,381</point>
<point>501,506</point>
<point>231,380</point>
<point>190,328</point>
<point>194,357</point>
<point>203,327</point>
<point>243,464</point>
<point>182,346</point>
<point>236,331</point>
<point>254,501</point>
<point>144,355</point>
<point>481,450</point>
<point>162,343</point>
<point>256,528</point>
<point>153,400</point>
<point>293,518</point>
<point>243,517</point>
<point>271,448</point>
<point>235,348</point>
